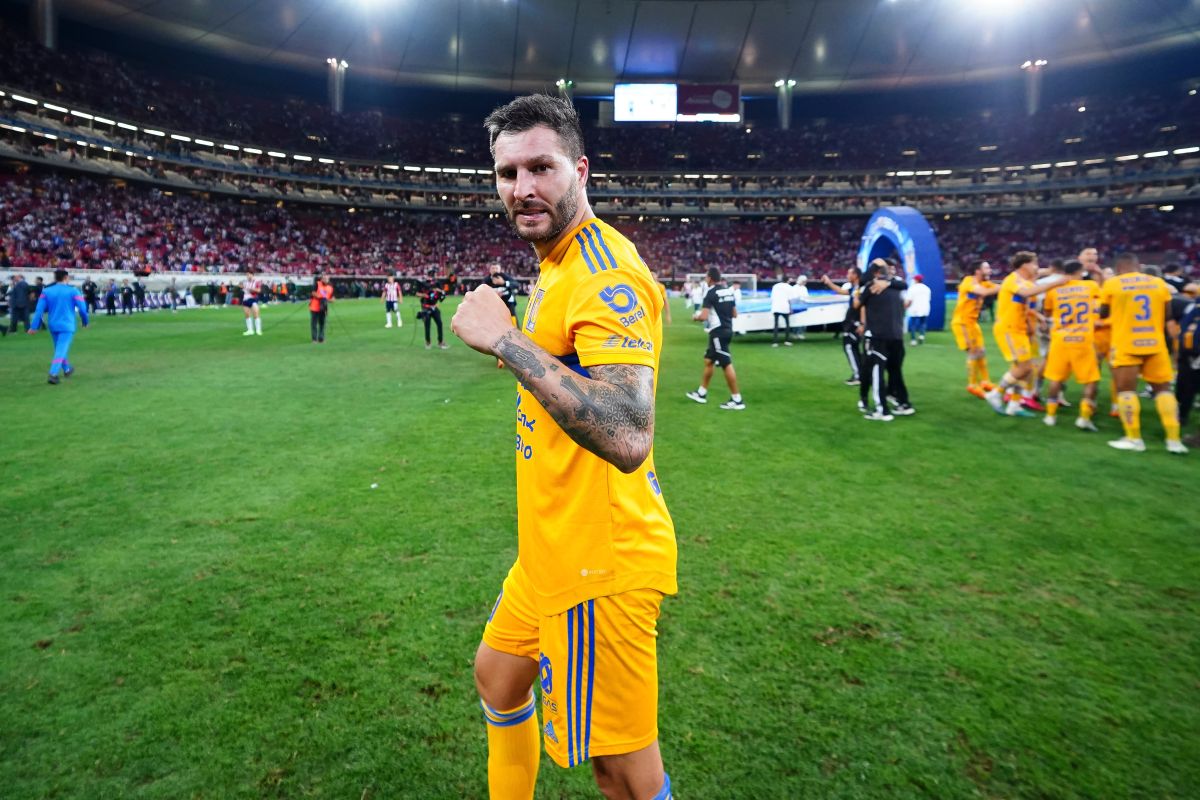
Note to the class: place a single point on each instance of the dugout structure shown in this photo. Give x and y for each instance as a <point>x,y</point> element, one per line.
<point>905,230</point>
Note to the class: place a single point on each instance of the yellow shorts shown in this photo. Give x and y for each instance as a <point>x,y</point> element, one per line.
<point>1063,361</point>
<point>598,667</point>
<point>1103,339</point>
<point>1014,346</point>
<point>1155,367</point>
<point>968,335</point>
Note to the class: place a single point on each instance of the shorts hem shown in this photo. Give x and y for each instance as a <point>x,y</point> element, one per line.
<point>619,749</point>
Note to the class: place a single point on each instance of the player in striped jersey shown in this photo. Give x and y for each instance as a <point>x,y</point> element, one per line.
<point>250,291</point>
<point>391,301</point>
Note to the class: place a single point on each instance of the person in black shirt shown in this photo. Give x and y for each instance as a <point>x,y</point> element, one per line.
<point>881,310</point>
<point>430,297</point>
<point>18,303</point>
<point>126,298</point>
<point>139,294</point>
<point>851,341</point>
<point>506,287</point>
<point>1173,275</point>
<point>717,313</point>
<point>89,295</point>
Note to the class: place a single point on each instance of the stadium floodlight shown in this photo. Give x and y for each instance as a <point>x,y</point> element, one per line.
<point>82,143</point>
<point>450,169</point>
<point>127,126</point>
<point>153,132</point>
<point>104,121</point>
<point>1014,168</point>
<point>1065,163</point>
<point>203,142</point>
<point>15,128</point>
<point>1155,154</point>
<point>50,136</point>
<point>391,166</point>
<point>1166,208</point>
<point>1039,166</point>
<point>1081,109</point>
<point>23,99</point>
<point>1089,161</point>
<point>433,169</point>
<point>411,168</point>
<point>990,169</point>
<point>904,173</point>
<point>1183,151</point>
<point>325,160</point>
<point>299,157</point>
<point>230,147</point>
<point>129,152</point>
<point>1131,157</point>
<point>1027,64</point>
<point>254,151</point>
<point>180,138</point>
<point>943,172</point>
<point>923,172</point>
<point>107,149</point>
<point>82,114</point>
<point>276,154</point>
<point>53,107</point>
<point>987,148</point>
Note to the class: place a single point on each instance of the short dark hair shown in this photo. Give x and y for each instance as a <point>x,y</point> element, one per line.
<point>975,265</point>
<point>714,274</point>
<point>1126,256</point>
<point>1172,268</point>
<point>1022,258</point>
<point>1071,267</point>
<point>60,274</point>
<point>532,111</point>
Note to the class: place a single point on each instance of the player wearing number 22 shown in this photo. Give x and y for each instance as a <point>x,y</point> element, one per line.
<point>1071,311</point>
<point>1137,305</point>
<point>577,614</point>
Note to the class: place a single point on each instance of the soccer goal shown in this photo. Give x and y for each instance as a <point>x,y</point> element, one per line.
<point>748,281</point>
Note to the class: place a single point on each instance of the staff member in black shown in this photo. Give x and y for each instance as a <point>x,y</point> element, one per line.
<point>90,290</point>
<point>717,313</point>
<point>506,287</point>
<point>18,303</point>
<point>851,341</point>
<point>881,309</point>
<point>430,296</point>
<point>139,294</point>
<point>126,298</point>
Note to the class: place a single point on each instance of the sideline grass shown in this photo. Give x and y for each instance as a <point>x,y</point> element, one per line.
<point>203,597</point>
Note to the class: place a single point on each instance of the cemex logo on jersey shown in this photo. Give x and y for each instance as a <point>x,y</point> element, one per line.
<point>626,343</point>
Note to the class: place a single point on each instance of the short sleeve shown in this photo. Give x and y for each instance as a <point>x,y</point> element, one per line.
<point>615,322</point>
<point>710,299</point>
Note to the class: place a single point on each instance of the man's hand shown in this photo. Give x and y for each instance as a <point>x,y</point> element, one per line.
<point>32,331</point>
<point>482,318</point>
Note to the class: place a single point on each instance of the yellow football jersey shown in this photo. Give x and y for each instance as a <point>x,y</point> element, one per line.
<point>1012,309</point>
<point>969,304</point>
<point>584,528</point>
<point>1137,311</point>
<point>1072,314</point>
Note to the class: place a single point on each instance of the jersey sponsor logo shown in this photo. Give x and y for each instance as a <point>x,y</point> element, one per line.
<point>654,482</point>
<point>627,343</point>
<point>629,319</point>
<point>547,674</point>
<point>522,420</point>
<point>620,298</point>
<point>531,311</point>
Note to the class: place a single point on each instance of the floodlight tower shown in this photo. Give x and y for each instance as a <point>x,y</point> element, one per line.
<point>45,23</point>
<point>566,89</point>
<point>337,83</point>
<point>783,100</point>
<point>1033,84</point>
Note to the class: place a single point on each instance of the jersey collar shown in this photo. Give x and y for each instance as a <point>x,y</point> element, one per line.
<point>560,250</point>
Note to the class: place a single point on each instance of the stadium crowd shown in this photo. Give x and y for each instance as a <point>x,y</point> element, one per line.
<point>145,94</point>
<point>49,220</point>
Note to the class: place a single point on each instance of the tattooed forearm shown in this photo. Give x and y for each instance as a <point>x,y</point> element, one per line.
<point>610,414</point>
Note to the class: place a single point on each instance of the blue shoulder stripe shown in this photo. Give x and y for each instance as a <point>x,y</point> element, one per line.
<point>587,233</point>
<point>603,244</point>
<point>583,250</point>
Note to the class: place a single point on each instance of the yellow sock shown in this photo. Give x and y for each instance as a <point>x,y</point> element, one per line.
<point>1168,412</point>
<point>981,370</point>
<point>513,751</point>
<point>1086,409</point>
<point>972,372</point>
<point>1052,408</point>
<point>1131,414</point>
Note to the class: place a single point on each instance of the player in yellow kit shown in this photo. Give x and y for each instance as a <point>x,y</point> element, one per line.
<point>577,615</point>
<point>1012,334</point>
<point>1138,306</point>
<point>1071,311</point>
<point>972,290</point>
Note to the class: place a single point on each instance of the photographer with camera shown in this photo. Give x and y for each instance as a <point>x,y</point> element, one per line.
<point>318,307</point>
<point>430,296</point>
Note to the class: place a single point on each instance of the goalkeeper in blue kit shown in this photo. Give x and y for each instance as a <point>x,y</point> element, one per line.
<point>60,301</point>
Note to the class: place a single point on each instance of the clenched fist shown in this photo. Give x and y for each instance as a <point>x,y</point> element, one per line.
<point>482,318</point>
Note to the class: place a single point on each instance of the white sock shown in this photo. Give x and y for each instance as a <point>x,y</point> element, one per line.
<point>702,391</point>
<point>737,398</point>
<point>250,324</point>
<point>258,324</point>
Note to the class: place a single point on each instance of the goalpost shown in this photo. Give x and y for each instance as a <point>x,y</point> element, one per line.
<point>748,281</point>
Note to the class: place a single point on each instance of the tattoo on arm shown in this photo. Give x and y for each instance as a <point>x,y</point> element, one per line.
<point>611,414</point>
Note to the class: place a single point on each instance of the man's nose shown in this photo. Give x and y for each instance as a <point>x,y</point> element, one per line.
<point>523,185</point>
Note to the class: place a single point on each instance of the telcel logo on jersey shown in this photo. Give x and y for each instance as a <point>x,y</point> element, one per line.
<point>627,343</point>
<point>619,298</point>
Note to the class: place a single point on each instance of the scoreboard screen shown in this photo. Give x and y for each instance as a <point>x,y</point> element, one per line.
<point>644,102</point>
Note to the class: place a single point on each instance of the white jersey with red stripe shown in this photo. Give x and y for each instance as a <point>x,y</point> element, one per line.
<point>391,292</point>
<point>252,286</point>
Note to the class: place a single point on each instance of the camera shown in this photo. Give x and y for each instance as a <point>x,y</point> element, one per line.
<point>423,313</point>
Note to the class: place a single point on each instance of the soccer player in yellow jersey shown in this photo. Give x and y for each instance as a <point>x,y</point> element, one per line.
<point>1012,333</point>
<point>1071,310</point>
<point>1138,307</point>
<point>1090,258</point>
<point>577,614</point>
<point>973,289</point>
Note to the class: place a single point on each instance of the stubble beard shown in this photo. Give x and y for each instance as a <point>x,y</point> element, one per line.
<point>561,216</point>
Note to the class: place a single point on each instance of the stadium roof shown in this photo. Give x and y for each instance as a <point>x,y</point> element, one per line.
<point>519,45</point>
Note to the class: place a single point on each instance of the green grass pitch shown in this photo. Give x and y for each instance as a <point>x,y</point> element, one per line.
<point>201,596</point>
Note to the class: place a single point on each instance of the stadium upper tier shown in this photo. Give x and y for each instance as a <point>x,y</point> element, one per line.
<point>50,219</point>
<point>100,84</point>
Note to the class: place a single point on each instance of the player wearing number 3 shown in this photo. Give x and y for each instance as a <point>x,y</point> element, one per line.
<point>577,615</point>
<point>1138,305</point>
